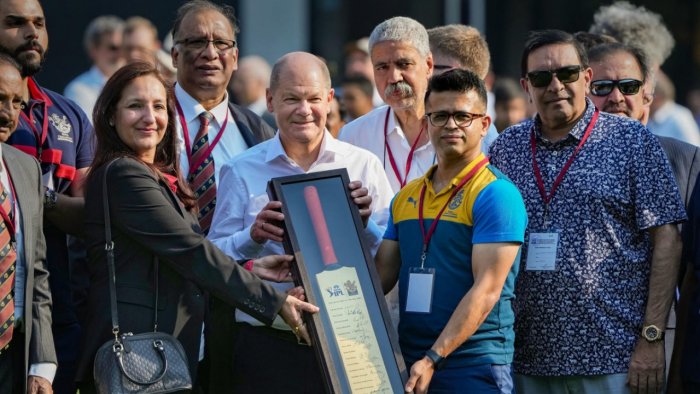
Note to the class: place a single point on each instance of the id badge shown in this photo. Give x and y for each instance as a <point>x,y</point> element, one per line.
<point>420,290</point>
<point>542,251</point>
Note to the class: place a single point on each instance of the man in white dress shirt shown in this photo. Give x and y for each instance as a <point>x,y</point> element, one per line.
<point>403,64</point>
<point>270,360</point>
<point>103,43</point>
<point>27,356</point>
<point>400,52</point>
<point>205,56</point>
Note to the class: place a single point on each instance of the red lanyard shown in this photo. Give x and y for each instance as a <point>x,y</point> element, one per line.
<point>186,135</point>
<point>547,198</point>
<point>40,137</point>
<point>409,160</point>
<point>427,236</point>
<point>9,216</point>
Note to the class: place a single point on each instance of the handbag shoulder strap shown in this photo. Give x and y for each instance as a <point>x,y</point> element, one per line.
<point>109,248</point>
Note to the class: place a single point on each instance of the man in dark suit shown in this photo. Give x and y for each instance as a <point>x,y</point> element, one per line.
<point>212,130</point>
<point>55,131</point>
<point>616,70</point>
<point>27,356</point>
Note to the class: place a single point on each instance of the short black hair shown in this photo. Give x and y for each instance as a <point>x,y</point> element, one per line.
<point>457,80</point>
<point>598,53</point>
<point>540,38</point>
<point>202,5</point>
<point>506,89</point>
<point>6,58</point>
<point>361,82</point>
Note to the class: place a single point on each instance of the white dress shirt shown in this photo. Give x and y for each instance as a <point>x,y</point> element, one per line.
<point>367,132</point>
<point>242,193</point>
<point>675,121</point>
<point>44,370</point>
<point>231,142</point>
<point>85,89</point>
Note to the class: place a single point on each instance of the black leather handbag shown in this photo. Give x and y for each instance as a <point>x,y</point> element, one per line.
<point>152,362</point>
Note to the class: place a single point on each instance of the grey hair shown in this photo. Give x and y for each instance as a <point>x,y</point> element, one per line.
<point>100,26</point>
<point>636,27</point>
<point>401,28</point>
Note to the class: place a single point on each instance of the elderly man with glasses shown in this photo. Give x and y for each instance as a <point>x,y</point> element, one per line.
<point>212,130</point>
<point>593,292</point>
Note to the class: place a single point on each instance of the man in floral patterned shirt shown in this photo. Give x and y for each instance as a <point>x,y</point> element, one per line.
<point>602,249</point>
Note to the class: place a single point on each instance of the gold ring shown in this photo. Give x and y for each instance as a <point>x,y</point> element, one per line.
<point>296,330</point>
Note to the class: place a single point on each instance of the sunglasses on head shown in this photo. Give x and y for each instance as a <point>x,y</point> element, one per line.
<point>568,74</point>
<point>604,87</point>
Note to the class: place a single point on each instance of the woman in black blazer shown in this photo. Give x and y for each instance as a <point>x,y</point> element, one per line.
<point>152,218</point>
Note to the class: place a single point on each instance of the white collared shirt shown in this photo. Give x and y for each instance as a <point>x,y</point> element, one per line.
<point>85,89</point>
<point>367,132</point>
<point>231,142</point>
<point>44,370</point>
<point>242,193</point>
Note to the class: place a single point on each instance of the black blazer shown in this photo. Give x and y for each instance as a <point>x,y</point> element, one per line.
<point>149,222</point>
<point>26,178</point>
<point>685,163</point>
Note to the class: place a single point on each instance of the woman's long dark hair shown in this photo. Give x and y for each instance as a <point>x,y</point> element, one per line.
<point>110,146</point>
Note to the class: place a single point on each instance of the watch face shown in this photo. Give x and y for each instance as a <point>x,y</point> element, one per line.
<point>651,333</point>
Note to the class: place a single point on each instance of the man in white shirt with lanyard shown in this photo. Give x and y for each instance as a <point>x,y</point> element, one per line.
<point>403,64</point>
<point>212,131</point>
<point>402,61</point>
<point>205,55</point>
<point>27,355</point>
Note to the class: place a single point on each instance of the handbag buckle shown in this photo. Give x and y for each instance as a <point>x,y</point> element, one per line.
<point>158,344</point>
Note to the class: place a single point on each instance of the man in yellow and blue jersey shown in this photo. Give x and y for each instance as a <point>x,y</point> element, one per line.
<point>451,242</point>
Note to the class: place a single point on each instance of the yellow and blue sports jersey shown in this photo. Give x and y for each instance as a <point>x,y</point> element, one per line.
<point>488,209</point>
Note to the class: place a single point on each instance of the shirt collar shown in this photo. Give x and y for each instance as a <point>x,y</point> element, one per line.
<point>329,148</point>
<point>458,178</point>
<point>191,108</point>
<point>579,128</point>
<point>97,75</point>
<point>37,93</point>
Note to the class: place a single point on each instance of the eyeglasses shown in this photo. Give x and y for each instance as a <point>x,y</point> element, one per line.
<point>604,87</point>
<point>462,119</point>
<point>198,44</point>
<point>568,74</point>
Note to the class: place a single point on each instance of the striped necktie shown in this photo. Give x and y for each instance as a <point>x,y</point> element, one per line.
<point>201,179</point>
<point>8,256</point>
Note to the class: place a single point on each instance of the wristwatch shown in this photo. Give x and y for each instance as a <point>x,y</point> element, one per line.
<point>50,199</point>
<point>652,333</point>
<point>438,360</point>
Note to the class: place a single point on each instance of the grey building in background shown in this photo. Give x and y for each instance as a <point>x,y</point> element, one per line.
<point>271,28</point>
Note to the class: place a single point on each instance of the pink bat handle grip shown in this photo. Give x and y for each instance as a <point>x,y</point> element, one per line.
<point>313,204</point>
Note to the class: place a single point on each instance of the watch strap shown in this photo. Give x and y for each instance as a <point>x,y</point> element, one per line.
<point>437,359</point>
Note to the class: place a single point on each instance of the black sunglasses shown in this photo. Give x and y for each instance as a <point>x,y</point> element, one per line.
<point>604,87</point>
<point>568,74</point>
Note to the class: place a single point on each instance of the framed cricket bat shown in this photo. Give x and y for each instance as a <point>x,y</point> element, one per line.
<point>355,342</point>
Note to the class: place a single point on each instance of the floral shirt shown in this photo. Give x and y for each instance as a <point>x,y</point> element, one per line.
<point>584,317</point>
